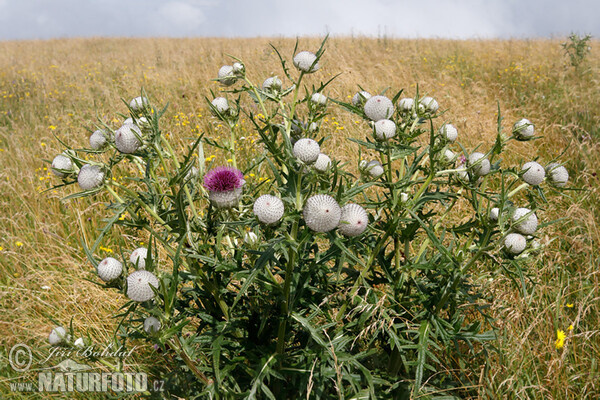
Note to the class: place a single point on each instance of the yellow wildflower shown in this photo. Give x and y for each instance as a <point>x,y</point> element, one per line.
<point>18,244</point>
<point>560,339</point>
<point>570,328</point>
<point>570,305</point>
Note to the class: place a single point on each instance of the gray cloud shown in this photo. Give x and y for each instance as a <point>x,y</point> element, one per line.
<point>32,19</point>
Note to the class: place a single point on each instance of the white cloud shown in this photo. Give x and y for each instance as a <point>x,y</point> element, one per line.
<point>181,17</point>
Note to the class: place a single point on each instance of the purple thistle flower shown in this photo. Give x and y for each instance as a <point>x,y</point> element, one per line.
<point>222,179</point>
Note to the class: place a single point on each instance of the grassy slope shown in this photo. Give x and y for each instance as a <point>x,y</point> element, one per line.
<point>58,87</point>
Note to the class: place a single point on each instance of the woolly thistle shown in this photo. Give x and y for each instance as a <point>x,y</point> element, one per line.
<point>479,164</point>
<point>403,197</point>
<point>139,285</point>
<point>429,104</point>
<point>128,121</point>
<point>449,155</point>
<point>533,173</point>
<point>360,98</point>
<point>319,99</point>
<point>57,336</point>
<point>139,103</point>
<point>385,129</point>
<point>557,174</point>
<point>98,139</point>
<point>239,69</point>
<point>268,209</point>
<point>306,62</point>
<point>449,132</point>
<point>90,177</point>
<point>61,166</point>
<point>528,225</point>
<point>374,169</point>
<point>109,269</point>
<point>523,129</point>
<point>323,163</point>
<point>151,325</point>
<point>250,238</point>
<point>80,343</point>
<point>224,185</point>
<point>494,214</point>
<point>221,105</point>
<point>321,213</point>
<point>406,105</point>
<point>138,257</point>
<point>306,150</point>
<point>353,220</point>
<point>378,107</point>
<point>127,138</point>
<point>272,84</point>
<point>515,243</point>
<point>226,75</point>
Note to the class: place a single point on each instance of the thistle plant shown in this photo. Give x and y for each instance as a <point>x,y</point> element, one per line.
<point>326,280</point>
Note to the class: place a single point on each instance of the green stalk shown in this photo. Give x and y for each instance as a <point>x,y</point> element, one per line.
<point>517,190</point>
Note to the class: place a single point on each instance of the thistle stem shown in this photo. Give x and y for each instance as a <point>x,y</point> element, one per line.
<point>517,190</point>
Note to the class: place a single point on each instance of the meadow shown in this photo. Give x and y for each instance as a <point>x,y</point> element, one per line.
<point>61,87</point>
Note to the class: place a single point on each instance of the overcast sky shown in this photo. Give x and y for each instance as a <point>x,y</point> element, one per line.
<point>43,19</point>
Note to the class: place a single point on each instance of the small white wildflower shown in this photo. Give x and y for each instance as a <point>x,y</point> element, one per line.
<point>250,238</point>
<point>533,173</point>
<point>557,174</point>
<point>449,132</point>
<point>403,197</point>
<point>109,269</point>
<point>57,336</point>
<point>479,164</point>
<point>307,150</point>
<point>353,220</point>
<point>138,257</point>
<point>151,325</point>
<point>494,214</point>
<point>323,163</point>
<point>221,105</point>
<point>523,129</point>
<point>139,285</point>
<point>360,98</point>
<point>273,84</point>
<point>305,61</point>
<point>379,107</point>
<point>313,127</point>
<point>529,225</point>
<point>406,105</point>
<point>385,129</point>
<point>226,75</point>
<point>321,213</point>
<point>98,139</point>
<point>63,163</point>
<point>515,243</point>
<point>268,209</point>
<point>90,177</point>
<point>139,103</point>
<point>79,343</point>
<point>319,99</point>
<point>374,168</point>
<point>430,104</point>
<point>126,138</point>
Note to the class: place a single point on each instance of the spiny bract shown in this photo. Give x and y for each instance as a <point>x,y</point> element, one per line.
<point>272,84</point>
<point>151,325</point>
<point>268,209</point>
<point>449,132</point>
<point>226,75</point>
<point>319,99</point>
<point>430,104</point>
<point>406,105</point>
<point>139,285</point>
<point>321,213</point>
<point>126,138</point>
<point>138,103</point>
<point>360,98</point>
<point>557,174</point>
<point>523,129</point>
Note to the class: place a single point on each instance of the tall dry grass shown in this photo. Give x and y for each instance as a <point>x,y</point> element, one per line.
<point>61,87</point>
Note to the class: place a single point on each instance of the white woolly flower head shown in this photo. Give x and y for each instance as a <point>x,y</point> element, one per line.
<point>385,129</point>
<point>250,238</point>
<point>221,105</point>
<point>360,98</point>
<point>306,62</point>
<point>139,103</point>
<point>479,164</point>
<point>429,104</point>
<point>403,197</point>
<point>128,121</point>
<point>151,325</point>
<point>127,138</point>
<point>515,243</point>
<point>109,269</point>
<point>226,75</point>
<point>80,343</point>
<point>239,69</point>
<point>90,177</point>
<point>533,173</point>
<point>98,139</point>
<point>268,209</point>
<point>272,84</point>
<point>494,214</point>
<point>374,169</point>
<point>449,155</point>
<point>57,336</point>
<point>62,166</point>
<point>523,129</point>
<point>528,225</point>
<point>319,99</point>
<point>406,105</point>
<point>139,285</point>
<point>379,107</point>
<point>323,163</point>
<point>307,150</point>
<point>557,174</point>
<point>449,132</point>
<point>138,257</point>
<point>321,213</point>
<point>353,220</point>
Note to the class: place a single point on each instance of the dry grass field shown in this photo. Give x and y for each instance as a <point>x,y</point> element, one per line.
<point>61,87</point>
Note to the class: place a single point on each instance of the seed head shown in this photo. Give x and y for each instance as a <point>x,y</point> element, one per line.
<point>385,129</point>
<point>449,132</point>
<point>151,325</point>
<point>429,104</point>
<point>527,226</point>
<point>61,162</point>
<point>533,173</point>
<point>57,336</point>
<point>268,209</point>
<point>321,213</point>
<point>109,269</point>
<point>319,99</point>
<point>479,164</point>
<point>224,185</point>
<point>406,105</point>
<point>90,177</point>
<point>379,107</point>
<point>272,84</point>
<point>126,138</point>
<point>138,103</point>
<point>138,257</point>
<point>523,129</point>
<point>306,62</point>
<point>323,163</point>
<point>514,243</point>
<point>306,150</point>
<point>557,174</point>
<point>139,285</point>
<point>98,139</point>
<point>360,98</point>
<point>353,220</point>
<point>226,75</point>
<point>221,105</point>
